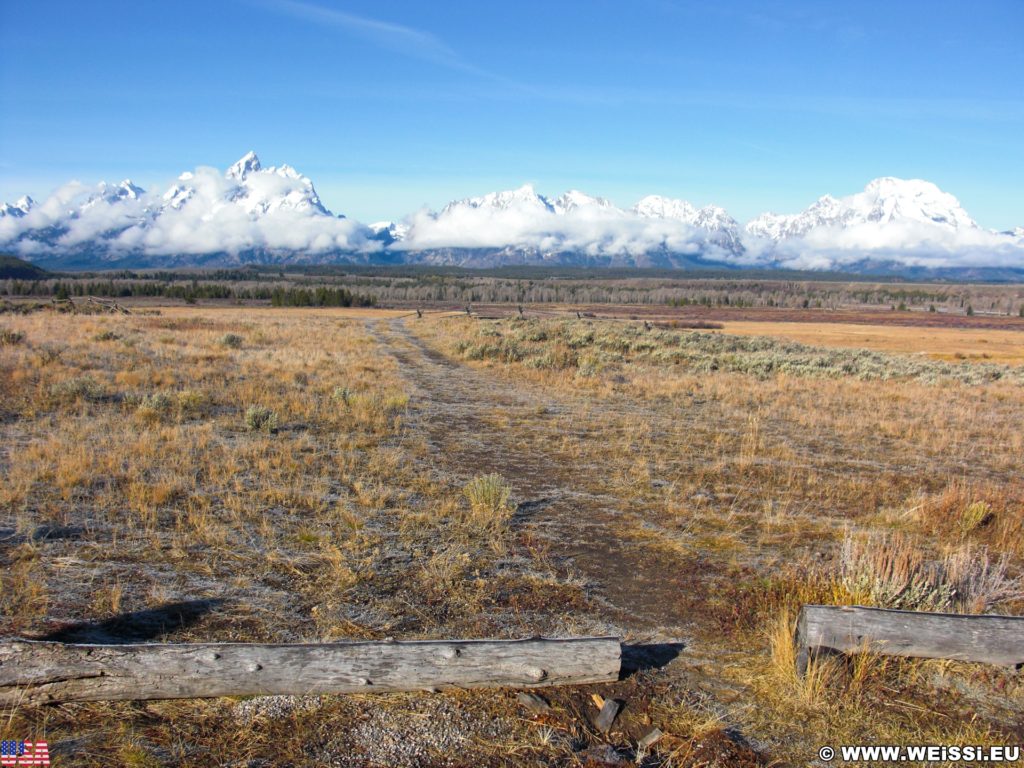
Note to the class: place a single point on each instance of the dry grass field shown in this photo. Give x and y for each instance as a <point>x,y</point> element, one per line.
<point>949,344</point>
<point>306,475</point>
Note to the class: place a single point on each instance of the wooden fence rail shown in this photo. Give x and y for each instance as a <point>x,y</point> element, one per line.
<point>41,672</point>
<point>854,629</point>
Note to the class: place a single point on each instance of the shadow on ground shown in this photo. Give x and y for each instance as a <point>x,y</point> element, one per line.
<point>643,656</point>
<point>137,626</point>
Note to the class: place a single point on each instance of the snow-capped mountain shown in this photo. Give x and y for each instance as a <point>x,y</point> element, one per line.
<point>526,198</point>
<point>893,225</point>
<point>246,164</point>
<point>524,226</point>
<point>389,231</point>
<point>22,206</point>
<point>246,213</point>
<point>721,228</point>
<point>574,200</point>
<point>523,198</point>
<point>257,190</point>
<point>884,201</point>
<point>111,194</point>
<point>249,213</point>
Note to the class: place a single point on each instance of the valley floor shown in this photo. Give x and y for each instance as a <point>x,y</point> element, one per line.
<point>286,475</point>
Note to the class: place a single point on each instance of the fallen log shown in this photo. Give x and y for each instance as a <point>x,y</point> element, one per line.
<point>42,672</point>
<point>855,629</point>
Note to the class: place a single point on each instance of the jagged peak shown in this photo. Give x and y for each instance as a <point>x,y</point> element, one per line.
<point>885,201</point>
<point>659,207</point>
<point>574,199</point>
<point>130,189</point>
<point>524,195</point>
<point>248,163</point>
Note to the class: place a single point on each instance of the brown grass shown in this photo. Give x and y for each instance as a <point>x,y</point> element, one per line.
<point>950,344</point>
<point>759,477</point>
<point>147,461</point>
<point>656,498</point>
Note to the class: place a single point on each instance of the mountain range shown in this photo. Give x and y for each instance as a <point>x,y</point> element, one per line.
<point>255,214</point>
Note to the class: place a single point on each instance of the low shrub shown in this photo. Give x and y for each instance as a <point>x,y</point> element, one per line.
<point>76,388</point>
<point>155,407</point>
<point>561,345</point>
<point>890,571</point>
<point>489,499</point>
<point>973,516</point>
<point>10,338</point>
<point>259,418</point>
<point>161,406</point>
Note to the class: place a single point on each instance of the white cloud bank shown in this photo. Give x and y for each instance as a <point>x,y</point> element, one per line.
<point>910,244</point>
<point>276,212</point>
<point>205,212</point>
<point>905,221</point>
<point>573,222</point>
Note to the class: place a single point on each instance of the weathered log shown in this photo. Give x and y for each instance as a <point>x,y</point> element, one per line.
<point>40,672</point>
<point>855,629</point>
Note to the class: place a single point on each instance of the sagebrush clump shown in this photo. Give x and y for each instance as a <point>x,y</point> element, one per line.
<point>231,341</point>
<point>10,338</point>
<point>565,344</point>
<point>891,571</point>
<point>490,505</point>
<point>259,418</point>
<point>75,388</point>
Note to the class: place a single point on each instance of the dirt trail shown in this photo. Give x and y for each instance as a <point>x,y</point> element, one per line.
<point>644,588</point>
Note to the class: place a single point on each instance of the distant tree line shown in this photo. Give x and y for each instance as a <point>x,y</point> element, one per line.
<point>296,289</point>
<point>319,297</point>
<point>190,292</point>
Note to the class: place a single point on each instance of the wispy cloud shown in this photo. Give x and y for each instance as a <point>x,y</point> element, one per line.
<point>399,38</point>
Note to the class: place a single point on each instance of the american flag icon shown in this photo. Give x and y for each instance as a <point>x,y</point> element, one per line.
<point>18,753</point>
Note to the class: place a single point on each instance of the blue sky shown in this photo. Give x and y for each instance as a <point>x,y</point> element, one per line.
<point>392,105</point>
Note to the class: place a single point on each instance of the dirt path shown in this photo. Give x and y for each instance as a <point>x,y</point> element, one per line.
<point>644,589</point>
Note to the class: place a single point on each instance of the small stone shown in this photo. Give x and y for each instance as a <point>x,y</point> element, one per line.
<point>607,715</point>
<point>602,754</point>
<point>533,702</point>
<point>650,739</point>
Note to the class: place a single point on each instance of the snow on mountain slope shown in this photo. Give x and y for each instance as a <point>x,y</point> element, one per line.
<point>525,198</point>
<point>248,163</point>
<point>543,229</point>
<point>884,201</point>
<point>574,200</point>
<point>248,209</point>
<point>906,221</point>
<point>389,231</point>
<point>257,190</point>
<point>250,212</point>
<point>22,206</point>
<point>111,194</point>
<point>658,207</point>
<point>721,228</point>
